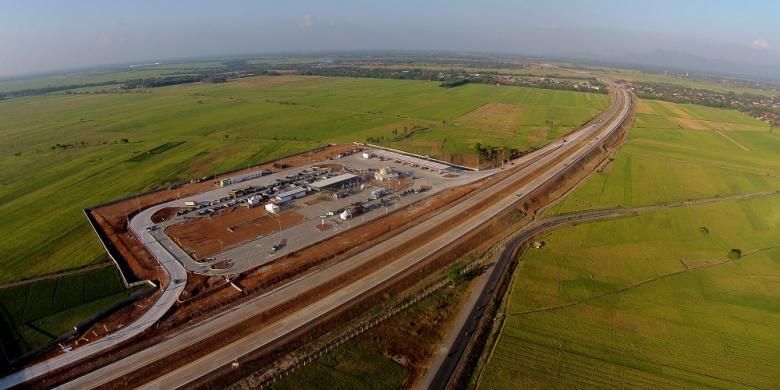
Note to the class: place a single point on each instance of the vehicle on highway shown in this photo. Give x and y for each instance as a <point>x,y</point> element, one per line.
<point>279,245</point>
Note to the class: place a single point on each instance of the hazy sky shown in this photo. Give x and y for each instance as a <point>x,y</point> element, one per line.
<point>40,36</point>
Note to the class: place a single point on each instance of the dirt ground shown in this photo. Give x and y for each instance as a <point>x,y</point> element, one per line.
<point>398,185</point>
<point>165,214</point>
<point>204,237</point>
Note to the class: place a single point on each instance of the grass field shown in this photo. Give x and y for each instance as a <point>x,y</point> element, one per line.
<point>654,301</point>
<point>677,152</point>
<point>354,365</point>
<point>372,360</point>
<point>715,325</point>
<point>180,132</point>
<point>35,313</point>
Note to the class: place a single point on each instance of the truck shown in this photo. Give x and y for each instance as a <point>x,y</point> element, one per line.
<point>279,245</point>
<point>378,193</point>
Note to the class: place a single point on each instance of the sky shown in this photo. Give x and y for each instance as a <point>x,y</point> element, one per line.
<point>42,36</point>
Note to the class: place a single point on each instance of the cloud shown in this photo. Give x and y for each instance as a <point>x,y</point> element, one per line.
<point>306,22</point>
<point>760,44</point>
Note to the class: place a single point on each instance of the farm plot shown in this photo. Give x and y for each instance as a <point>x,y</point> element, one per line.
<point>648,301</point>
<point>35,313</point>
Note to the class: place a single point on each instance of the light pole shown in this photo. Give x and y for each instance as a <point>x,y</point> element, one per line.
<point>278,222</point>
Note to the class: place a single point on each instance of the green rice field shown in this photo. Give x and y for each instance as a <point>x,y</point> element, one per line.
<point>648,302</point>
<point>677,152</point>
<point>33,314</point>
<point>655,300</point>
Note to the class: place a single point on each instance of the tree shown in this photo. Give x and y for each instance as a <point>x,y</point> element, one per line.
<point>455,273</point>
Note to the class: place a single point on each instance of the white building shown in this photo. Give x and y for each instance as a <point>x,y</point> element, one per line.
<point>386,174</point>
<point>291,194</point>
<point>272,208</point>
<point>254,201</point>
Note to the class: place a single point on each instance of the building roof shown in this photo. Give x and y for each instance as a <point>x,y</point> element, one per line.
<point>290,192</point>
<point>333,180</point>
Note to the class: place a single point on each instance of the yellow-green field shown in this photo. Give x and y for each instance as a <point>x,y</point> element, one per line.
<point>670,156</point>
<point>654,301</point>
<point>576,317</point>
<point>205,128</point>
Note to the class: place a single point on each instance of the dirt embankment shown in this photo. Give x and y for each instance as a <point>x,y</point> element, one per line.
<point>165,214</point>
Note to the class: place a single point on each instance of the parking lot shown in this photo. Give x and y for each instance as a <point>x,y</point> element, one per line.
<point>223,229</point>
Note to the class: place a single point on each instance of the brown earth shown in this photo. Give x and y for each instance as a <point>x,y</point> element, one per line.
<point>204,237</point>
<point>399,185</point>
<point>165,214</point>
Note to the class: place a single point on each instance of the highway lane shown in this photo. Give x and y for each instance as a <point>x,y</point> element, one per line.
<point>228,353</point>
